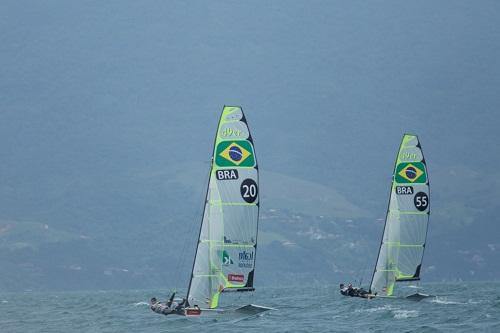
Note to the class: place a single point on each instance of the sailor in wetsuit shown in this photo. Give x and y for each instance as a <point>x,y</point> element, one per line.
<point>169,307</point>
<point>352,291</point>
<point>343,289</point>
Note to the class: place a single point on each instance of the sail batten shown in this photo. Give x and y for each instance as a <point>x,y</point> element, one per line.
<point>405,231</point>
<point>226,249</point>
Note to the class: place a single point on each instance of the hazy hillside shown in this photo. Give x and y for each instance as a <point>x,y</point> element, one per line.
<point>140,230</point>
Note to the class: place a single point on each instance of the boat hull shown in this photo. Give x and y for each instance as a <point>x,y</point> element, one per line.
<point>418,297</point>
<point>247,310</point>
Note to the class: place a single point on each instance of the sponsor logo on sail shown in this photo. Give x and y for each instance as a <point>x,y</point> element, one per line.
<point>408,156</point>
<point>231,132</point>
<point>245,259</point>
<point>234,153</point>
<point>226,259</point>
<point>411,173</point>
<point>236,277</point>
<point>227,174</point>
<point>404,190</point>
<point>237,241</point>
<point>228,240</point>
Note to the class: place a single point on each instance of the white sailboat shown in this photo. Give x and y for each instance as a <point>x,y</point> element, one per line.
<point>227,243</point>
<point>402,247</point>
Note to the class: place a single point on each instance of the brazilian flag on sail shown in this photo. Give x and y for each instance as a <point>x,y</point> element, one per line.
<point>234,153</point>
<point>412,172</point>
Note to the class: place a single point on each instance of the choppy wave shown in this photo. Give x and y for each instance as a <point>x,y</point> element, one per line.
<point>464,309</point>
<point>386,307</point>
<point>403,314</point>
<point>444,300</point>
<point>141,303</point>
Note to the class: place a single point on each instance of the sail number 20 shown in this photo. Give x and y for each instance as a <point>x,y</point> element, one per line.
<point>249,190</point>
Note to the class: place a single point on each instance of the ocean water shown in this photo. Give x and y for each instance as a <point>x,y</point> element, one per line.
<point>459,307</point>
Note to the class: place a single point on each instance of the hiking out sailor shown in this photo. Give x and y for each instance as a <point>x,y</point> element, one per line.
<point>178,308</point>
<point>168,307</point>
<point>159,307</point>
<point>343,289</point>
<point>350,290</point>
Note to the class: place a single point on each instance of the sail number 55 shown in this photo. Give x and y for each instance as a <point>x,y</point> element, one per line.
<point>249,190</point>
<point>421,201</point>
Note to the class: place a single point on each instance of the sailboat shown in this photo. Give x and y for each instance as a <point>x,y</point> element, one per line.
<point>227,243</point>
<point>403,242</point>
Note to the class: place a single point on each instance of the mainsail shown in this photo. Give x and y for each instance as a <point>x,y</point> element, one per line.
<point>403,243</point>
<point>226,249</point>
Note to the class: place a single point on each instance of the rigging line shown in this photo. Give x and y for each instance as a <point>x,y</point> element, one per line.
<point>178,266</point>
<point>200,210</point>
<point>181,261</point>
<point>363,273</point>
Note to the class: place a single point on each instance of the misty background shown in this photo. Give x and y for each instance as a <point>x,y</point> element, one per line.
<point>108,112</point>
